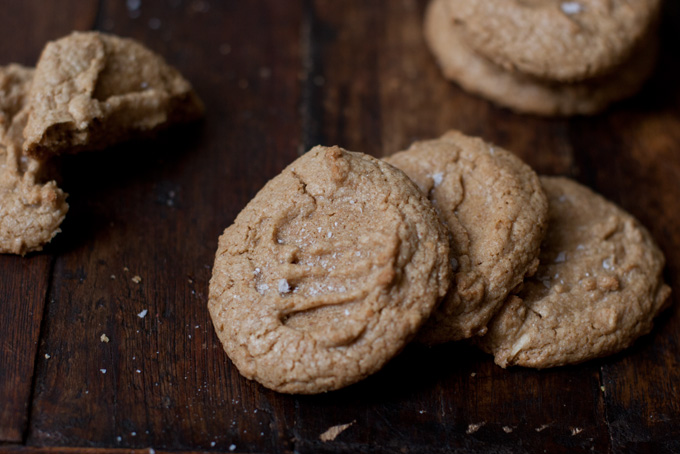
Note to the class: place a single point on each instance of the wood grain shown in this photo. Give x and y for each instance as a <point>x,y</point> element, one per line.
<point>154,209</point>
<point>277,78</point>
<point>25,281</point>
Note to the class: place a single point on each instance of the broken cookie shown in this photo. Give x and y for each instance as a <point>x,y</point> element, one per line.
<point>30,210</point>
<point>93,90</point>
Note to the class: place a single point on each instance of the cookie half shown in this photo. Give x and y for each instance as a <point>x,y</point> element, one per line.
<point>527,94</point>
<point>327,273</point>
<point>31,210</point>
<point>597,289</point>
<point>496,212</point>
<point>93,90</point>
<point>564,40</point>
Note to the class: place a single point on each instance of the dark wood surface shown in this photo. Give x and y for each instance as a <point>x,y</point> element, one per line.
<point>278,77</point>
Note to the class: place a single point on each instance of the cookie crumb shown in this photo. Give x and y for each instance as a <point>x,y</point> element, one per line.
<point>143,313</point>
<point>334,431</point>
<point>472,428</point>
<point>571,7</point>
<point>136,279</point>
<point>104,338</point>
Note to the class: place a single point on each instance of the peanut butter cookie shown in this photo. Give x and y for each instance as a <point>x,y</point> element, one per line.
<point>597,289</point>
<point>92,90</point>
<point>559,40</point>
<point>327,273</point>
<point>496,212</point>
<point>30,210</point>
<point>524,93</point>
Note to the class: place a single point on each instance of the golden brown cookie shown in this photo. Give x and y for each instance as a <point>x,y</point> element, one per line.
<point>598,287</point>
<point>496,212</point>
<point>30,210</point>
<point>93,90</point>
<point>15,83</point>
<point>558,40</point>
<point>526,94</point>
<point>327,273</point>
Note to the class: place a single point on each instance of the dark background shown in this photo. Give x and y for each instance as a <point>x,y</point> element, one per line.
<point>278,77</point>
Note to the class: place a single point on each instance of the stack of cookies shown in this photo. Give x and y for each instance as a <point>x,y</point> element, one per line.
<point>342,259</point>
<point>545,57</point>
<point>88,91</point>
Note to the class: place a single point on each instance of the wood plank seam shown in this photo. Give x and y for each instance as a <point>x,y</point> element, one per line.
<point>36,359</point>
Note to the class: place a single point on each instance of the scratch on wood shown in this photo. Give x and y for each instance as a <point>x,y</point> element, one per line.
<point>334,431</point>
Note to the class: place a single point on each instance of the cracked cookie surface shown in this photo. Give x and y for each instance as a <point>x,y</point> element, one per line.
<point>93,90</point>
<point>327,273</point>
<point>559,40</point>
<point>496,212</point>
<point>597,289</point>
<point>31,210</point>
<point>524,93</point>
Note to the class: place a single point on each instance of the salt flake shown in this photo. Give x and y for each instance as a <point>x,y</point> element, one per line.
<point>571,7</point>
<point>283,286</point>
<point>143,313</point>
<point>438,178</point>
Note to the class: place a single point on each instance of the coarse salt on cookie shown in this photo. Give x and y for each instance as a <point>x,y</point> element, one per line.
<point>327,273</point>
<point>571,7</point>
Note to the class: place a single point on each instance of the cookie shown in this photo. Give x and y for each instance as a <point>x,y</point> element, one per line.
<point>327,273</point>
<point>15,83</point>
<point>30,210</point>
<point>93,90</point>
<point>597,289</point>
<point>523,93</point>
<point>496,212</point>
<point>564,41</point>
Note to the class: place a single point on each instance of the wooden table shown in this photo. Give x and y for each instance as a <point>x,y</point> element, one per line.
<point>278,77</point>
